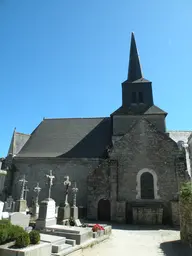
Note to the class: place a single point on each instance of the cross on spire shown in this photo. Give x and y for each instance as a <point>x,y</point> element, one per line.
<point>134,70</point>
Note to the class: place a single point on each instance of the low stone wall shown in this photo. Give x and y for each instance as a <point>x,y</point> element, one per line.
<point>186,220</point>
<point>147,215</point>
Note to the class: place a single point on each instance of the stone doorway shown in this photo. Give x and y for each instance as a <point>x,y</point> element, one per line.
<point>104,210</point>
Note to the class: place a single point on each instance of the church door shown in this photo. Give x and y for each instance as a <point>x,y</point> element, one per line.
<point>104,211</point>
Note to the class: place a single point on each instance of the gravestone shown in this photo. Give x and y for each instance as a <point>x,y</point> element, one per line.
<point>64,211</point>
<point>47,208</point>
<point>21,204</point>
<point>20,219</point>
<point>46,214</point>
<point>35,203</point>
<point>78,223</point>
<point>1,208</point>
<point>9,205</point>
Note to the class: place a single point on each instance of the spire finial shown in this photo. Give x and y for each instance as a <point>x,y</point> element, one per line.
<point>134,71</point>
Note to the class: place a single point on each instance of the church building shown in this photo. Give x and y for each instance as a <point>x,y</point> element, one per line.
<point>127,167</point>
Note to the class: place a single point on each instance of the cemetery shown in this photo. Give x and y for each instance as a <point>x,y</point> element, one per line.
<point>43,228</point>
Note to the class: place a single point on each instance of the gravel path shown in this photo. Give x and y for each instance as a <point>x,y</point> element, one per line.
<point>124,241</point>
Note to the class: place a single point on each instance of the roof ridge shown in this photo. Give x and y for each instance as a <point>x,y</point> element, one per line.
<point>68,118</point>
<point>179,130</point>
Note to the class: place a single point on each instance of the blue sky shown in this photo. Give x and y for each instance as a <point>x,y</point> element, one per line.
<point>66,58</point>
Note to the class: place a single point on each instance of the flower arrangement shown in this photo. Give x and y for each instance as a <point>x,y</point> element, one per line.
<point>97,227</point>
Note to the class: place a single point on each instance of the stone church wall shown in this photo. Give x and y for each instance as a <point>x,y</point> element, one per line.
<point>146,149</point>
<point>35,171</point>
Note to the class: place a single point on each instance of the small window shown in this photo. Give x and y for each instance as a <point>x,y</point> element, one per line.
<point>134,97</point>
<point>140,97</point>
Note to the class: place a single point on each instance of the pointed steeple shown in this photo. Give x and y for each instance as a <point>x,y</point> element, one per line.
<point>134,71</point>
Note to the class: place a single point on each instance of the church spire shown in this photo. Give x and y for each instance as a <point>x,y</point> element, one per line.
<point>134,71</point>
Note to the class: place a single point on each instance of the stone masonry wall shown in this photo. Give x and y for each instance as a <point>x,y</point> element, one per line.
<point>143,148</point>
<point>98,183</point>
<point>35,171</point>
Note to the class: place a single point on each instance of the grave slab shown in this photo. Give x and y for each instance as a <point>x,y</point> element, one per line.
<point>59,246</point>
<point>51,238</point>
<point>20,219</point>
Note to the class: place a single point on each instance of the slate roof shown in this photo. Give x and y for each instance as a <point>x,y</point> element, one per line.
<point>69,137</point>
<point>17,142</point>
<point>155,110</point>
<point>139,109</point>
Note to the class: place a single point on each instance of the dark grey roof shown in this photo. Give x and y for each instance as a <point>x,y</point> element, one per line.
<point>155,110</point>
<point>70,137</point>
<point>134,109</point>
<point>17,142</point>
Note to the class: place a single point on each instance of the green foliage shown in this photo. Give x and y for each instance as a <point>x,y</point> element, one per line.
<point>186,191</point>
<point>34,237</point>
<point>4,223</point>
<point>3,235</point>
<point>13,232</point>
<point>22,240</point>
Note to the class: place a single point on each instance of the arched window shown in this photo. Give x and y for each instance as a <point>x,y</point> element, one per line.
<point>147,186</point>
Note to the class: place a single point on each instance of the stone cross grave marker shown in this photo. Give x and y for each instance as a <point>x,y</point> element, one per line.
<point>74,190</point>
<point>67,183</point>
<point>23,182</point>
<point>37,190</point>
<point>9,205</point>
<point>26,190</point>
<point>50,182</point>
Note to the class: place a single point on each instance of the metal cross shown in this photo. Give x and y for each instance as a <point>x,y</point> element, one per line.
<point>74,190</point>
<point>50,178</point>
<point>67,183</point>
<point>23,181</point>
<point>37,190</point>
<point>26,190</point>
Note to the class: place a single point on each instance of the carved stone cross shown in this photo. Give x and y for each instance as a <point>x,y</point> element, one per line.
<point>26,191</point>
<point>9,201</point>
<point>23,182</point>
<point>50,183</point>
<point>37,190</point>
<point>74,190</point>
<point>67,183</point>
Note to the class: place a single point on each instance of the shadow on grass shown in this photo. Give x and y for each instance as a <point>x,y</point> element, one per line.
<point>176,248</point>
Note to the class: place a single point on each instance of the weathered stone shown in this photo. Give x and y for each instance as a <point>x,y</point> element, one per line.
<point>20,219</point>
<point>21,206</point>
<point>46,214</point>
